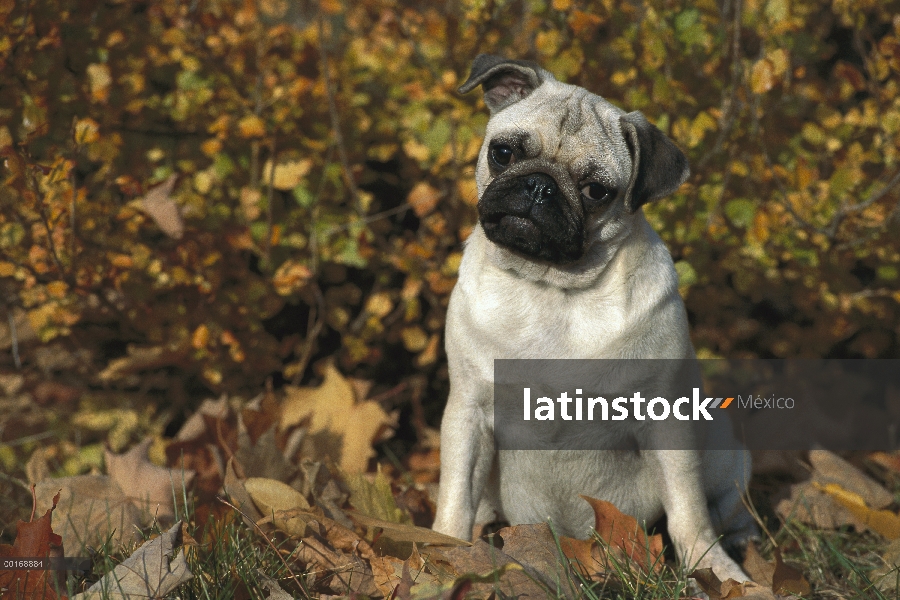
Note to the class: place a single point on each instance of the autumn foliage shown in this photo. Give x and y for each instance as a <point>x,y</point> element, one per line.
<point>220,192</point>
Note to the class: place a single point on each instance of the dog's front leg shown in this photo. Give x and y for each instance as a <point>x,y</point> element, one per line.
<point>467,452</point>
<point>689,523</point>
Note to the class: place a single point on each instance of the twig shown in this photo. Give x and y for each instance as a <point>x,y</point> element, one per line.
<point>314,325</point>
<point>15,338</point>
<point>270,196</point>
<point>729,101</point>
<point>841,214</point>
<point>268,541</point>
<point>335,119</point>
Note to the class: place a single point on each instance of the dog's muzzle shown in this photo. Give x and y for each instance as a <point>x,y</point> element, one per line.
<point>531,214</point>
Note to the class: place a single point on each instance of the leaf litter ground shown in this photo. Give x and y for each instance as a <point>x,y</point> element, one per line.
<point>275,498</point>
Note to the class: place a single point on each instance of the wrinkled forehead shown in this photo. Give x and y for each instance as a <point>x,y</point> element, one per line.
<point>569,125</point>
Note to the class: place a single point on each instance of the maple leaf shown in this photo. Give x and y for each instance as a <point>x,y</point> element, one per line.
<point>339,423</point>
<point>34,539</point>
<point>622,539</point>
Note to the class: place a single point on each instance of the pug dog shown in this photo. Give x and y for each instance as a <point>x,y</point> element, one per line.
<point>563,264</point>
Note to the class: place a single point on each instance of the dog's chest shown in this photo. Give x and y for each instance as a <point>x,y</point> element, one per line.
<point>541,321</point>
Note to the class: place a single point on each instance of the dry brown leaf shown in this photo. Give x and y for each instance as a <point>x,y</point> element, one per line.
<point>397,578</point>
<point>339,424</point>
<point>787,580</point>
<point>889,461</point>
<point>263,458</point>
<point>403,532</point>
<point>885,577</point>
<point>151,488</point>
<point>158,203</point>
<point>335,571</point>
<point>150,572</point>
<point>140,359</point>
<point>271,586</point>
<point>831,468</point>
<point>34,539</point>
<point>482,559</point>
<point>622,532</point>
<point>234,488</point>
<point>534,547</point>
<point>814,507</point>
<point>91,509</point>
<point>757,567</point>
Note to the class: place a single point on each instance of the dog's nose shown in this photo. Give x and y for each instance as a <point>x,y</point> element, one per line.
<point>540,187</point>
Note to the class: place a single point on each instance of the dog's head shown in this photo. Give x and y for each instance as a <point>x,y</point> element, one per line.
<point>561,169</point>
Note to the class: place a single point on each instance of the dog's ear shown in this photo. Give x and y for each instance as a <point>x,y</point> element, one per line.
<point>504,81</point>
<point>659,167</point>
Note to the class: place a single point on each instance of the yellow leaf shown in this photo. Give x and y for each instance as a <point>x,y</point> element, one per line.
<point>200,337</point>
<point>379,304</point>
<point>423,198</point>
<point>100,80</point>
<point>762,78</point>
<point>883,522</point>
<point>288,174</point>
<point>374,498</point>
<point>7,269</point>
<point>780,61</point>
<point>86,131</point>
<point>414,338</point>
<point>270,495</point>
<point>562,4</point>
<point>5,137</point>
<point>334,414</point>
<point>251,127</point>
<point>290,277</point>
<point>57,289</point>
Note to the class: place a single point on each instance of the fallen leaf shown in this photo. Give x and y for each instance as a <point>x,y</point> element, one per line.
<point>151,488</point>
<point>34,539</point>
<point>883,522</point>
<point>91,510</point>
<point>757,567</point>
<point>270,585</point>
<point>273,498</point>
<point>373,497</point>
<point>787,580</point>
<point>340,425</point>
<point>150,572</point>
<point>140,359</point>
<point>158,203</point>
<point>828,467</point>
<point>887,576</point>
<point>403,532</point>
<point>889,461</point>
<point>335,571</point>
<point>534,547</point>
<point>486,569</point>
<point>394,577</point>
<point>622,531</point>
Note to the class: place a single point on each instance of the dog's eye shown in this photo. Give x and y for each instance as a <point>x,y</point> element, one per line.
<point>596,191</point>
<point>502,155</point>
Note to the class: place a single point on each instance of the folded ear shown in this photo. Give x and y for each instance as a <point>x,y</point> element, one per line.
<point>659,167</point>
<point>504,81</point>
